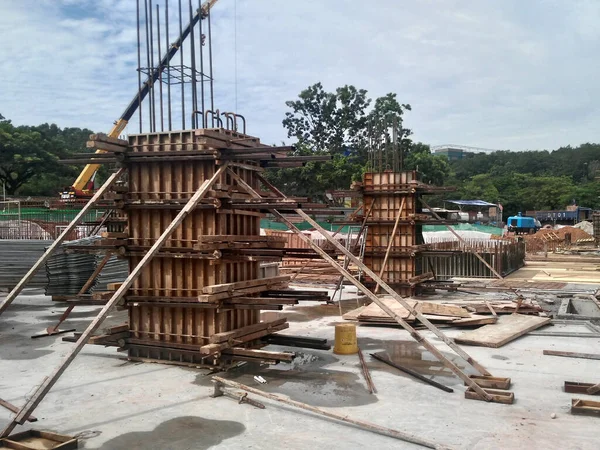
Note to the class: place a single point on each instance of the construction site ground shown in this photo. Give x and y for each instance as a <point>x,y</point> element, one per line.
<point>115,404</point>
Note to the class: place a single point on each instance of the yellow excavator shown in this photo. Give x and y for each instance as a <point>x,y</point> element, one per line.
<point>83,187</point>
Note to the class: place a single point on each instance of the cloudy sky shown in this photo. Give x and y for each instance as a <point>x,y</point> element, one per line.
<point>485,73</point>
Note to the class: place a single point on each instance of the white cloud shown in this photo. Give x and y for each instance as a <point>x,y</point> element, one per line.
<point>509,74</point>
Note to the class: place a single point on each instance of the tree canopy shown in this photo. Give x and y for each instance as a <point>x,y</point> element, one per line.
<point>29,157</point>
<point>339,124</point>
<point>531,180</point>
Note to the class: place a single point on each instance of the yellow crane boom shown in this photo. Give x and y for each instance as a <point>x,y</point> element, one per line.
<point>80,186</point>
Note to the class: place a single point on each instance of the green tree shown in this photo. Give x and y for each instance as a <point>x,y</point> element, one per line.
<point>434,169</point>
<point>29,157</point>
<point>339,124</point>
<point>327,122</point>
<point>24,154</point>
<point>480,187</point>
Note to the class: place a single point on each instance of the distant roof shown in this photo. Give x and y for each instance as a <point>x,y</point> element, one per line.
<point>471,202</point>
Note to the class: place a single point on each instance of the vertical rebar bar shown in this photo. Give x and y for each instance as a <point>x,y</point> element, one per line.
<point>193,63</point>
<point>210,67</point>
<point>153,93</point>
<point>160,70</point>
<point>167,48</point>
<point>395,145</point>
<point>139,62</point>
<point>148,63</point>
<point>235,68</point>
<point>201,40</point>
<point>182,71</point>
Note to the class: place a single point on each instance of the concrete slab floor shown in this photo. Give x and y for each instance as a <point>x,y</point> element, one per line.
<point>114,404</point>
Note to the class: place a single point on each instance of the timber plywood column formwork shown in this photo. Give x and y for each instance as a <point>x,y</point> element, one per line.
<point>173,306</point>
<point>385,195</point>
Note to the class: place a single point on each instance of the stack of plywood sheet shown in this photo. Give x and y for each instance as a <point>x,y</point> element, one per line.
<point>459,314</point>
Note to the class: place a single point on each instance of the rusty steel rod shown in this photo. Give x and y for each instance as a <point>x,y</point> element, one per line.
<point>411,372</point>
<point>169,112</point>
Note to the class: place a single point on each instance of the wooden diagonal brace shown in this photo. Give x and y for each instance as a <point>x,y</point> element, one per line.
<point>45,387</point>
<point>414,333</point>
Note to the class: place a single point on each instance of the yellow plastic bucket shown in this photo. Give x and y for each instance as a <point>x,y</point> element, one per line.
<point>345,339</point>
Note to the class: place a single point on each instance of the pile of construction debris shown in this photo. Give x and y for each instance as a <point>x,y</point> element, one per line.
<point>548,239</point>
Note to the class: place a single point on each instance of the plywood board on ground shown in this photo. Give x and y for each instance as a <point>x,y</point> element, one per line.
<point>506,329</point>
<point>373,311</point>
<point>524,284</point>
<point>353,315</point>
<point>435,311</point>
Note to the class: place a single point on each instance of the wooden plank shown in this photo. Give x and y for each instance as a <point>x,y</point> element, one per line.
<point>574,387</point>
<point>116,329</point>
<point>475,319</point>
<point>260,354</point>
<point>35,440</point>
<point>15,409</point>
<point>507,329</point>
<point>581,406</point>
<point>572,354</point>
<point>97,145</point>
<point>103,137</point>
<point>240,238</point>
<point>214,348</point>
<point>491,382</point>
<point>231,287</point>
<point>373,311</point>
<point>225,336</point>
<point>593,390</point>
<point>353,315</point>
<point>500,396</point>
<point>209,298</point>
<point>114,235</point>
